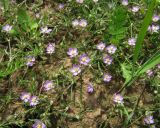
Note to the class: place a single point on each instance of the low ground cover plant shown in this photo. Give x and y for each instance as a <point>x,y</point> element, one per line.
<point>79,63</point>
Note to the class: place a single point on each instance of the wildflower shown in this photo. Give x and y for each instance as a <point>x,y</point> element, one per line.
<point>90,88</point>
<point>61,6</point>
<point>25,96</point>
<point>135,9</point>
<point>83,23</point>
<point>117,98</point>
<point>75,23</point>
<point>79,1</point>
<point>101,46</point>
<point>37,15</point>
<point>107,77</point>
<point>149,73</point>
<point>84,59</point>
<point>30,60</point>
<point>75,70</point>
<point>95,1</point>
<point>132,41</point>
<point>7,28</point>
<point>107,60</point>
<point>72,52</point>
<point>153,28</point>
<point>155,18</point>
<point>149,120</point>
<point>125,2</point>
<point>111,49</point>
<point>45,30</point>
<point>38,124</point>
<point>48,85</point>
<point>158,66</point>
<point>34,100</point>
<point>50,48</point>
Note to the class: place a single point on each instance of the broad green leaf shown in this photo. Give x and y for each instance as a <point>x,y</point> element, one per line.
<point>126,71</point>
<point>26,22</point>
<point>143,30</point>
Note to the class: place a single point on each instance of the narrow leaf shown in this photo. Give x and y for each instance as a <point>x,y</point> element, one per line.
<point>154,60</point>
<point>143,30</point>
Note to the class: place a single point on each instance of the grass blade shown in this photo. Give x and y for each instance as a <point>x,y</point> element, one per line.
<point>143,30</point>
<point>154,60</point>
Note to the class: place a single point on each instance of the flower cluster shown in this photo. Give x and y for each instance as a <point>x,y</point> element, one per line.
<point>154,28</point>
<point>27,98</point>
<point>107,59</point>
<point>79,23</point>
<point>149,119</point>
<point>83,60</point>
<point>45,30</point>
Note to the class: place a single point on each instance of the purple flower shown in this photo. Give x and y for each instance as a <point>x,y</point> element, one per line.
<point>50,48</point>
<point>90,88</point>
<point>149,73</point>
<point>107,77</point>
<point>45,30</point>
<point>75,23</point>
<point>155,18</point>
<point>83,23</point>
<point>101,46</point>
<point>61,6</point>
<point>135,9</point>
<point>30,60</point>
<point>111,49</point>
<point>48,85</point>
<point>117,98</point>
<point>75,70</point>
<point>149,120</point>
<point>7,28</point>
<point>153,28</point>
<point>84,59</point>
<point>34,100</point>
<point>38,124</point>
<point>79,1</point>
<point>25,96</point>
<point>158,66</point>
<point>107,60</point>
<point>125,2</point>
<point>72,52</point>
<point>132,41</point>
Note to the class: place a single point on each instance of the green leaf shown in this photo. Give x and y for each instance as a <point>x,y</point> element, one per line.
<point>126,71</point>
<point>117,28</point>
<point>143,30</point>
<point>25,21</point>
<point>5,4</point>
<point>154,60</point>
